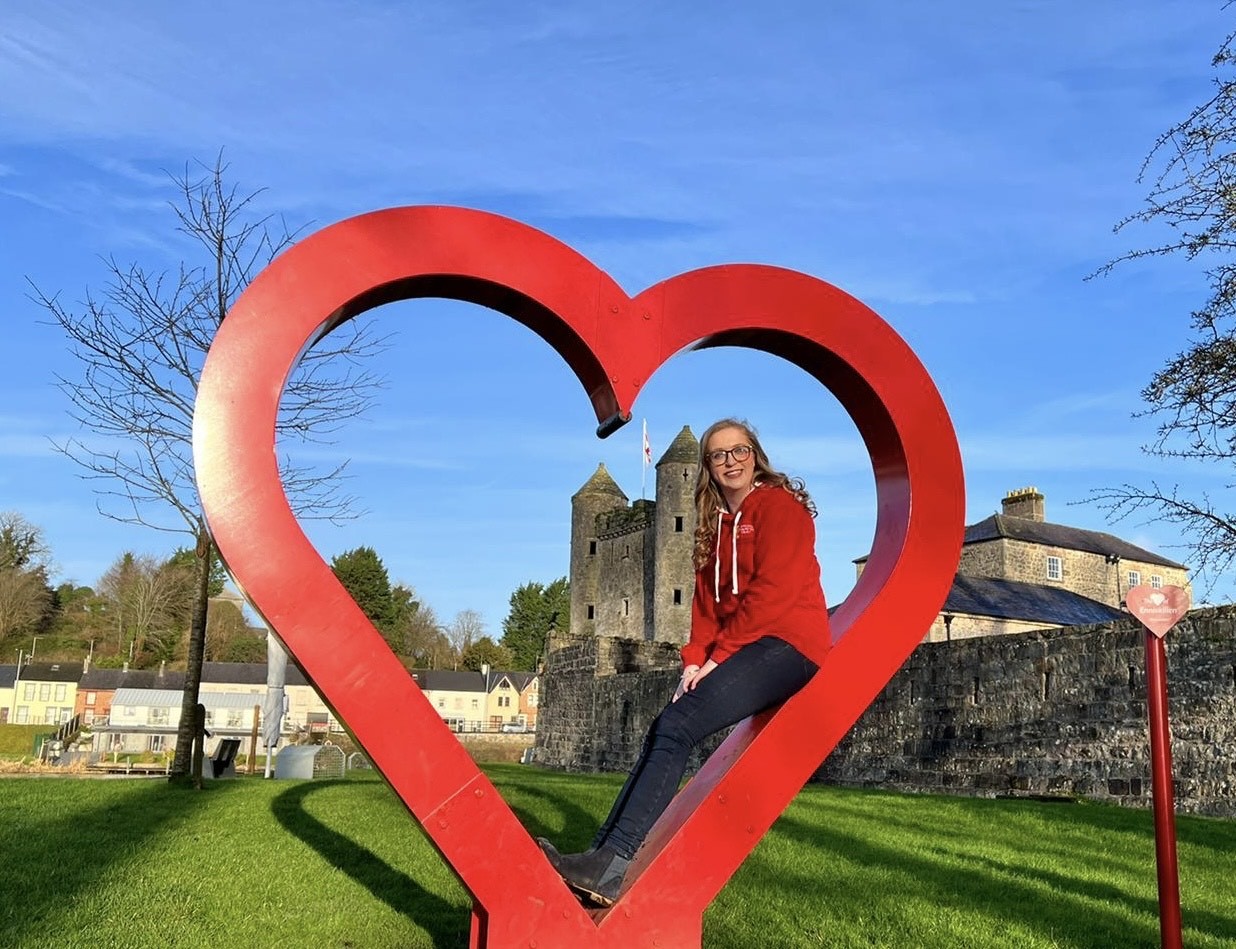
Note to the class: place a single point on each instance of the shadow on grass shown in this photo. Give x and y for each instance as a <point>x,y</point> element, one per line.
<point>1074,913</point>
<point>520,790</point>
<point>51,855</point>
<point>441,918</point>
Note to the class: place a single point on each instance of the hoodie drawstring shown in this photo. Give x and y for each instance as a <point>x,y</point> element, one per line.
<point>716,558</point>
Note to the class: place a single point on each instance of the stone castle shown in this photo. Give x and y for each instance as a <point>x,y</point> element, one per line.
<point>631,573</point>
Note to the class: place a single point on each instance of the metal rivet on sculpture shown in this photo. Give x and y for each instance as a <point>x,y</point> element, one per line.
<point>613,343</point>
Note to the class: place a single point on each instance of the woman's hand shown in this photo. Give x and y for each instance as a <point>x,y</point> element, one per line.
<point>691,677</point>
<point>688,673</point>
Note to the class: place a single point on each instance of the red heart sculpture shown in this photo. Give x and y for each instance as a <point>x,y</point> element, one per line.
<point>613,343</point>
<point>1158,608</point>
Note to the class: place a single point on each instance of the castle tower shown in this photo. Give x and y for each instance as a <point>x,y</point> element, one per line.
<point>674,574</point>
<point>599,495</point>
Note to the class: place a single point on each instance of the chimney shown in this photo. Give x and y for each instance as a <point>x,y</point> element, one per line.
<point>1025,503</point>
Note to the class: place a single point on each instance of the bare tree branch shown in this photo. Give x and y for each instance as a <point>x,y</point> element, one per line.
<point>140,344</point>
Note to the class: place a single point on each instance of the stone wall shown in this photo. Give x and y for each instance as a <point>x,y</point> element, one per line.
<point>1055,713</point>
<point>598,698</point>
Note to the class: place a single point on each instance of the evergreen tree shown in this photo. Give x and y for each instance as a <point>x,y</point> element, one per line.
<point>535,609</point>
<point>364,576</point>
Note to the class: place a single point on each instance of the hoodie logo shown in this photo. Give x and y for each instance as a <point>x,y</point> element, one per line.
<point>746,530</point>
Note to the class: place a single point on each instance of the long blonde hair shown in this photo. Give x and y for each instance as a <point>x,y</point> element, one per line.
<point>708,499</point>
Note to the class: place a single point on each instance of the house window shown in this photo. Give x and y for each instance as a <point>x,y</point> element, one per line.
<point>28,694</point>
<point>1054,571</point>
<point>90,698</point>
<point>130,711</point>
<point>23,714</point>
<point>532,700</point>
<point>235,718</point>
<point>592,611</point>
<point>156,742</point>
<point>60,692</point>
<point>1135,578</point>
<point>678,598</point>
<point>678,524</point>
<point>156,716</point>
<point>1156,581</point>
<point>44,691</point>
<point>49,715</point>
<point>592,548</point>
<point>441,703</point>
<point>476,703</point>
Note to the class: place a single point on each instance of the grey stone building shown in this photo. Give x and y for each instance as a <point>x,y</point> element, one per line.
<point>1020,572</point>
<point>631,574</point>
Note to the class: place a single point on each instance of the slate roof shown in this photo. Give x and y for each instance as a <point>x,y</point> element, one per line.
<point>8,675</point>
<point>519,680</point>
<point>1033,602</point>
<point>247,673</point>
<point>1058,535</point>
<point>103,680</point>
<point>449,680</point>
<point>51,671</point>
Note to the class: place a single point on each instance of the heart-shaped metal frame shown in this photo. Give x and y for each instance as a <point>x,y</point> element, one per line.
<point>613,343</point>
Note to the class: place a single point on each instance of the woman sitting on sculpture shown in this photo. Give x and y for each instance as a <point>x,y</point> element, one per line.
<point>759,628</point>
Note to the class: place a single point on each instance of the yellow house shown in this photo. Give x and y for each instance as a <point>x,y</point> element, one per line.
<point>458,696</point>
<point>44,693</point>
<point>511,701</point>
<point>8,675</point>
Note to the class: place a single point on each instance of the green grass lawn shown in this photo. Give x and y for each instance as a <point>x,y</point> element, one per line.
<point>139,863</point>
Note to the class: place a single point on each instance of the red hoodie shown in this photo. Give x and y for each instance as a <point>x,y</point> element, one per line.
<point>777,588</point>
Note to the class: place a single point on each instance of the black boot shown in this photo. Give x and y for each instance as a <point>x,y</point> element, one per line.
<point>597,874</point>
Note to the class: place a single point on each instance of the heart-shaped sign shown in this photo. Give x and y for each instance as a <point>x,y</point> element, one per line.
<point>613,343</point>
<point>1158,608</point>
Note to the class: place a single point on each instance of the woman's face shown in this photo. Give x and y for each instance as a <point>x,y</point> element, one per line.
<point>735,477</point>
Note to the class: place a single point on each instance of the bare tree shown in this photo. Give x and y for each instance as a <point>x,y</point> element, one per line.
<point>1191,169</point>
<point>24,600</point>
<point>141,343</point>
<point>24,559</point>
<point>150,601</point>
<point>466,628</point>
<point>22,546</point>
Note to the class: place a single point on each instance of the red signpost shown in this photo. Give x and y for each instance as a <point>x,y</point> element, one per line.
<point>613,343</point>
<point>1159,609</point>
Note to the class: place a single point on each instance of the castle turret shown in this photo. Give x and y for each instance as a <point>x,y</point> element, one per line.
<point>599,495</point>
<point>674,573</point>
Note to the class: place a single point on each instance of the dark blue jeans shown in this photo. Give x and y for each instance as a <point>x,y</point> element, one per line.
<point>757,677</point>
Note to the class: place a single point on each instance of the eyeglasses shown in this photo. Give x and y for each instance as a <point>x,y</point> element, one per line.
<point>739,453</point>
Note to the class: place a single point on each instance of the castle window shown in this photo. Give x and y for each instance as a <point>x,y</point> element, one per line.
<point>678,598</point>
<point>1135,578</point>
<point>592,611</point>
<point>627,551</point>
<point>1054,571</point>
<point>1156,581</point>
<point>592,548</point>
<point>678,524</point>
<point>626,607</point>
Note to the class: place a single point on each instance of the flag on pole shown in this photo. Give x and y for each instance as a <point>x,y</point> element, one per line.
<point>647,446</point>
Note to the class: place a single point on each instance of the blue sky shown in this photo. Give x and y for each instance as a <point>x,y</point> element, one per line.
<point>957,166</point>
